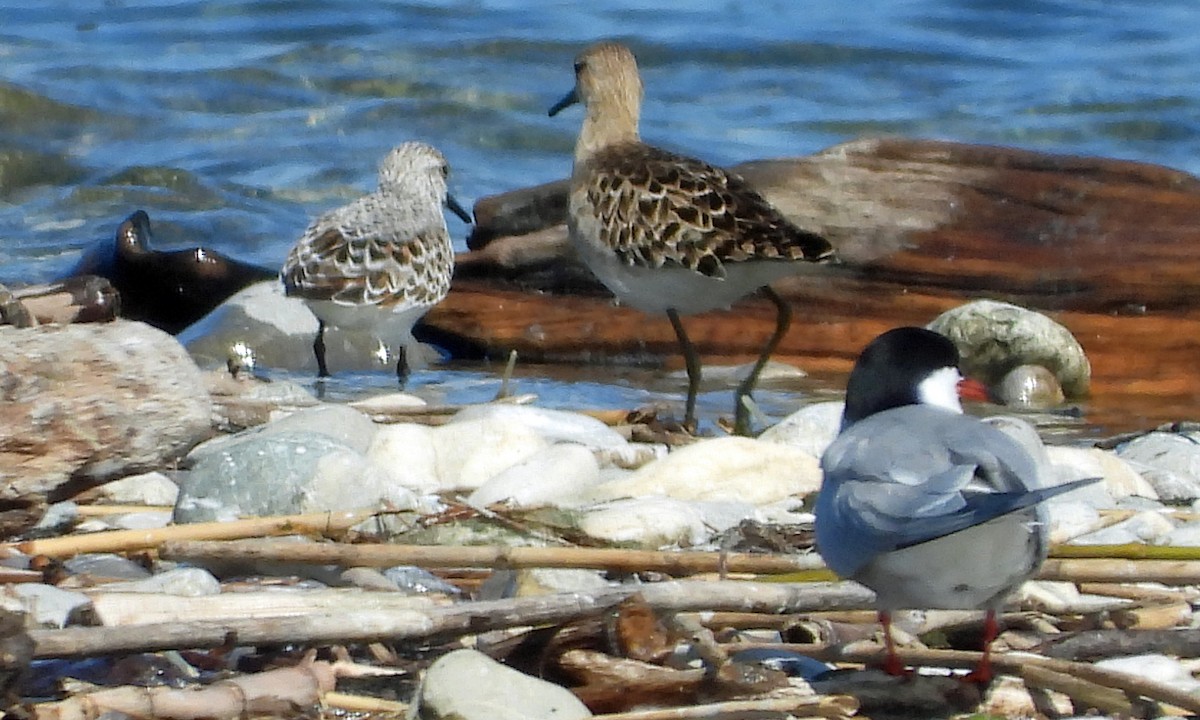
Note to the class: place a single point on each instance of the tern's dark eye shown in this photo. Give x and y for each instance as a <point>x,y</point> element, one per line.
<point>445,171</point>
<point>579,67</point>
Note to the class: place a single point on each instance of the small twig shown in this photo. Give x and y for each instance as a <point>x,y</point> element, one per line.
<point>1126,551</point>
<point>506,378</point>
<point>362,704</point>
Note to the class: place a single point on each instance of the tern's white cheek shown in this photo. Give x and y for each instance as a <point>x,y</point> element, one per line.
<point>941,389</point>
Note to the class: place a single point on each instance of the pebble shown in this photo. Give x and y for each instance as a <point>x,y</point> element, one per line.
<point>497,692</point>
<point>105,566</point>
<point>1029,387</point>
<point>152,488</point>
<point>1170,462</point>
<point>995,337</point>
<point>1121,480</point>
<point>557,476</point>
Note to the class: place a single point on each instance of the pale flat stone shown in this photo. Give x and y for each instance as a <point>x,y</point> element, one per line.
<point>552,425</point>
<point>556,476</point>
<point>1159,668</point>
<point>661,521</point>
<point>1171,464</point>
<point>468,685</point>
<point>728,468</point>
<point>811,428</point>
<point>1121,480</point>
<point>1149,527</point>
<point>186,581</point>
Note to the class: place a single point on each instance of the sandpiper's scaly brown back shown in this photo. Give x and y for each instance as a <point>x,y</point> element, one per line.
<point>668,233</point>
<point>382,260</point>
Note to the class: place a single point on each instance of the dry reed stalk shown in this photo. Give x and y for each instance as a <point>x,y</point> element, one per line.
<point>436,556</point>
<point>127,540</point>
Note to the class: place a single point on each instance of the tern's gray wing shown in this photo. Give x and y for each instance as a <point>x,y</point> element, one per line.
<point>913,474</point>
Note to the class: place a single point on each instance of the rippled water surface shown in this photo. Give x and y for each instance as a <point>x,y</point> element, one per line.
<point>233,123</point>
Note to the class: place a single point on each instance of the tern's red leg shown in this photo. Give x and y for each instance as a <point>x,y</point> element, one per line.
<point>982,674</point>
<point>891,663</point>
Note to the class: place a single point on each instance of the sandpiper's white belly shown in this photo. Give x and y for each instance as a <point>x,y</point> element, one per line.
<point>655,289</point>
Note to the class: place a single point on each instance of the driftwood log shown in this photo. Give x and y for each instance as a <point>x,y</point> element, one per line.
<point>1109,248</point>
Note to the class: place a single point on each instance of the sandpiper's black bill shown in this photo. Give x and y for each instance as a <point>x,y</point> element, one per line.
<point>457,209</point>
<point>567,101</point>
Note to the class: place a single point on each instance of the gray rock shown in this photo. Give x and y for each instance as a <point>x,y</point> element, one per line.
<point>995,337</point>
<point>47,605</point>
<point>553,425</point>
<point>186,582</point>
<point>468,685</point>
<point>87,403</point>
<point>279,474</point>
<point>337,422</point>
<point>106,566</point>
<point>261,327</point>
<point>811,428</point>
<point>1168,461</point>
<point>152,488</point>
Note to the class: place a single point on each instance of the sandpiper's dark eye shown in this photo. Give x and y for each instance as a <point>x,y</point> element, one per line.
<point>445,171</point>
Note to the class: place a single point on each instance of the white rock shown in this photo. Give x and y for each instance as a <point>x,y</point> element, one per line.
<point>1186,535</point>
<point>468,685</point>
<point>1063,597</point>
<point>345,480</point>
<point>389,402</point>
<point>552,425</point>
<point>1121,480</point>
<point>404,453</point>
<point>811,428</point>
<point>661,521</point>
<point>544,581</point>
<point>723,469</point>
<point>152,488</point>
<point>1173,463</point>
<point>471,452</point>
<point>1159,668</point>
<point>1069,519</point>
<point>47,605</point>
<point>187,582</point>
<point>141,520</point>
<point>556,476</point>
<point>1146,527</point>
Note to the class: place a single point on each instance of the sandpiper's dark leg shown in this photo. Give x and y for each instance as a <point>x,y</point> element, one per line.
<point>783,319</point>
<point>402,364</point>
<point>692,362</point>
<point>319,350</point>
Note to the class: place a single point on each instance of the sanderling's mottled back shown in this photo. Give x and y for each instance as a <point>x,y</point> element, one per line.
<point>668,233</point>
<point>383,260</point>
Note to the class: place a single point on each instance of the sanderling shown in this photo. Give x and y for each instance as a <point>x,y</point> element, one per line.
<point>668,233</point>
<point>382,261</point>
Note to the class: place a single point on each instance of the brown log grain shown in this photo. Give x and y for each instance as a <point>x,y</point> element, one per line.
<point>1108,248</point>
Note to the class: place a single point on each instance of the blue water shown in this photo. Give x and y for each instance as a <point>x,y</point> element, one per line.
<point>233,123</point>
